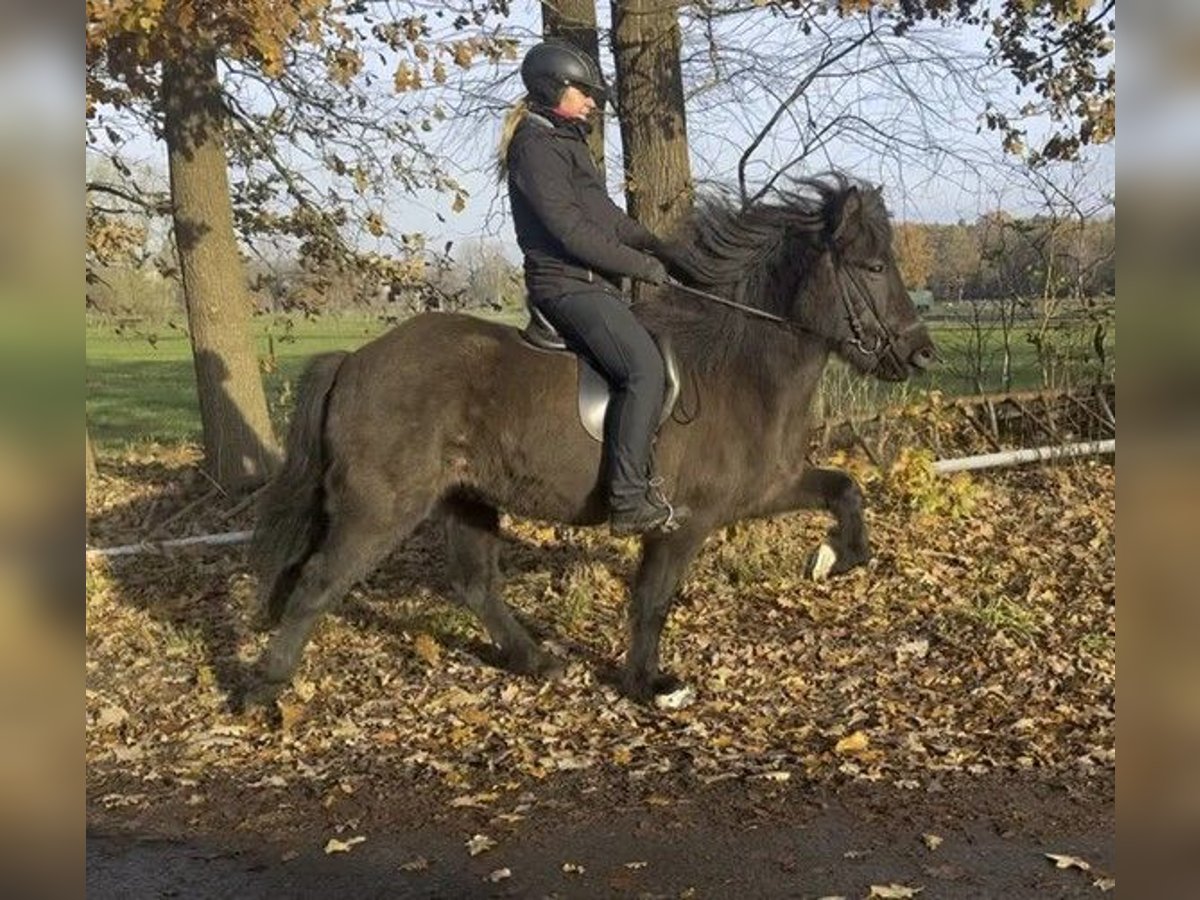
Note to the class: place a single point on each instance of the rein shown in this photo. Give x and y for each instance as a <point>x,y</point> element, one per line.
<point>886,342</point>
<point>748,310</point>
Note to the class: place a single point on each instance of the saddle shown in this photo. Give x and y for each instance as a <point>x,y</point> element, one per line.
<point>594,392</point>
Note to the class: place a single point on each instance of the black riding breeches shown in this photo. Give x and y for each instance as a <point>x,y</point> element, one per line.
<point>601,326</point>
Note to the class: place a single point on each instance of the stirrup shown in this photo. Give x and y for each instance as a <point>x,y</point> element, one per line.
<point>655,492</point>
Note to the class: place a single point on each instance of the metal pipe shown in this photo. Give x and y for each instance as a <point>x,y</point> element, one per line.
<point>942,467</point>
<point>1017,457</point>
<point>229,537</point>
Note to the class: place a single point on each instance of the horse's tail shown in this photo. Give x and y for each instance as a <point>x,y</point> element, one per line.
<point>289,515</point>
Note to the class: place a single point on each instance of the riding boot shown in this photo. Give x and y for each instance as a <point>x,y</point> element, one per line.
<point>649,511</point>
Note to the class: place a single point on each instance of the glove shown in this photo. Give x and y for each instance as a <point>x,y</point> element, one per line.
<point>653,272</point>
<point>680,262</point>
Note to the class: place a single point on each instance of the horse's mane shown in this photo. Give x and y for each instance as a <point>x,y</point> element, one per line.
<point>762,256</point>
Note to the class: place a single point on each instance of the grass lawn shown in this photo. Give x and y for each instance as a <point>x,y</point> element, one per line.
<point>141,386</point>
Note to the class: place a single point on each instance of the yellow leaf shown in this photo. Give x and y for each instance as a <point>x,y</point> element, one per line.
<point>479,843</point>
<point>893,891</point>
<point>932,841</point>
<point>853,743</point>
<point>336,846</point>
<point>1062,861</point>
<point>290,714</point>
<point>427,647</point>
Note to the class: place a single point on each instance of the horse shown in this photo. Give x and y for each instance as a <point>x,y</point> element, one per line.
<point>453,416</point>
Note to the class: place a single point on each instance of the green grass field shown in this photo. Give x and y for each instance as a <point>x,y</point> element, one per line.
<point>141,387</point>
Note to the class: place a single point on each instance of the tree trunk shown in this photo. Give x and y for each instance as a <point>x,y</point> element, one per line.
<point>658,176</point>
<point>239,447</point>
<point>575,21</point>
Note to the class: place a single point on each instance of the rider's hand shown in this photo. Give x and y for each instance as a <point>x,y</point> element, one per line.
<point>654,272</point>
<point>679,261</point>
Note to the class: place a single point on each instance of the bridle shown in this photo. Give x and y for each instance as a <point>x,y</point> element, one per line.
<point>885,342</point>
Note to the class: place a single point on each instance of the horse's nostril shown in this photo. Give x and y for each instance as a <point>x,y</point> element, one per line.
<point>923,357</point>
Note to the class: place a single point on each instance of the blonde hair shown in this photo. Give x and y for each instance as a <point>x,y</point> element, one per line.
<point>514,117</point>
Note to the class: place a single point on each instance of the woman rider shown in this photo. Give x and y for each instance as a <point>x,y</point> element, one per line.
<point>577,244</point>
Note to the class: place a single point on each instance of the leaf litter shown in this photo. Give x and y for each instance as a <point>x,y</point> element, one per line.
<point>976,640</point>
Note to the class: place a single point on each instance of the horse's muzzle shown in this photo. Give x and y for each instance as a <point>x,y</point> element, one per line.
<point>923,357</point>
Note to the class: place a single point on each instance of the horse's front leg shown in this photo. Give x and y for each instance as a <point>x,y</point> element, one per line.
<point>832,490</point>
<point>665,558</point>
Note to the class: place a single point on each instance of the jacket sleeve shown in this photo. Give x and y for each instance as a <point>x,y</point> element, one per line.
<point>542,174</point>
<point>630,231</point>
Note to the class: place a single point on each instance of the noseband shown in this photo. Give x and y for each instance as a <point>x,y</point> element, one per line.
<point>885,339</point>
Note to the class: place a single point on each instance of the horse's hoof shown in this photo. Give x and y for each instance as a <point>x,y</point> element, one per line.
<point>538,665</point>
<point>261,695</point>
<point>821,562</point>
<point>679,698</point>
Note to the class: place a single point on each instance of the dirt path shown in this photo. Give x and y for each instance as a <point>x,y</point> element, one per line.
<point>732,839</point>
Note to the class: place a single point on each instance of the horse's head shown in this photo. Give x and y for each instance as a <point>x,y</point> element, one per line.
<point>856,297</point>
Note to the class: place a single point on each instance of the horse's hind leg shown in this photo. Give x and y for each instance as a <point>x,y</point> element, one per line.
<point>363,528</point>
<point>472,552</point>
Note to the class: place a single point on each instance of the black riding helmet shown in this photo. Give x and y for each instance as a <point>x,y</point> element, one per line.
<point>552,65</point>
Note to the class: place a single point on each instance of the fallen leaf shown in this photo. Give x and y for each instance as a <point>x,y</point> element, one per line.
<point>336,846</point>
<point>893,891</point>
<point>289,855</point>
<point>427,647</point>
<point>932,841</point>
<point>853,743</point>
<point>917,649</point>
<point>479,843</point>
<point>305,690</point>
<point>110,716</point>
<point>474,800</point>
<point>289,715</point>
<point>638,864</point>
<point>1062,861</point>
<point>1105,884</point>
<point>572,868</point>
<point>498,875</point>
<point>420,864</point>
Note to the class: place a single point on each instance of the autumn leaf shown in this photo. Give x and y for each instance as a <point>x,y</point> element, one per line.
<point>853,743</point>
<point>932,841</point>
<point>497,875</point>
<point>427,647</point>
<point>479,843</point>
<point>893,891</point>
<point>336,846</point>
<point>1063,861</point>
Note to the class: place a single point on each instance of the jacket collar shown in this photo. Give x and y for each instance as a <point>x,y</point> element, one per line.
<point>548,118</point>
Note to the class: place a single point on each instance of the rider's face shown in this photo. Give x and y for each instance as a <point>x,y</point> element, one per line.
<point>575,104</point>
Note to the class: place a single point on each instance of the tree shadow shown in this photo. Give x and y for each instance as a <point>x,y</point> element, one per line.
<point>207,594</point>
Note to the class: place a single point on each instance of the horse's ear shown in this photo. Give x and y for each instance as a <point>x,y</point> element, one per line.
<point>849,216</point>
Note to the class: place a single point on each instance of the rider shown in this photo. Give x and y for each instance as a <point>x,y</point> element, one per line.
<point>577,244</point>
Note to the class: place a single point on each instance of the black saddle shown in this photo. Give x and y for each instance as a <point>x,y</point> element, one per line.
<point>593,388</point>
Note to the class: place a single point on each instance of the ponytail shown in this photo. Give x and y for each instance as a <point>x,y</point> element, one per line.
<point>514,117</point>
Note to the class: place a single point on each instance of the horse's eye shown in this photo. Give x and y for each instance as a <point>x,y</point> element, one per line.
<point>875,267</point>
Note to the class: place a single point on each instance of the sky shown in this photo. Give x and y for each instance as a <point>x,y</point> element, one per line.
<point>948,173</point>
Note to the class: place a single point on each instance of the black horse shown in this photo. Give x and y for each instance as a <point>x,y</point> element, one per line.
<point>452,415</point>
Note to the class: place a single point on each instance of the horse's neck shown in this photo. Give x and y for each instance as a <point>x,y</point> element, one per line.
<point>795,399</point>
